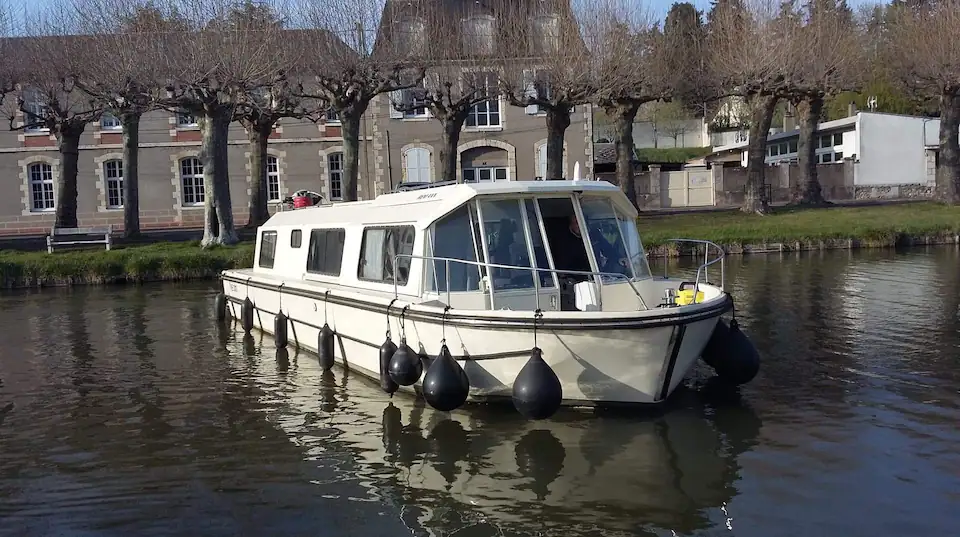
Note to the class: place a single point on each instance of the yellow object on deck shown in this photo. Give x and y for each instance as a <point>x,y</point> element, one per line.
<point>685,297</point>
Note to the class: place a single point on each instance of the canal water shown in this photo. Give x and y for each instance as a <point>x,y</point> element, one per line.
<point>125,411</point>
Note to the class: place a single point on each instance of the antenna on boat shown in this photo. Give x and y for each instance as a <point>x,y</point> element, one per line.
<point>576,171</point>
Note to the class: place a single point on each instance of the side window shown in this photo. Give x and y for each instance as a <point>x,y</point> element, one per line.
<point>326,251</point>
<point>379,248</point>
<point>296,238</point>
<point>268,249</point>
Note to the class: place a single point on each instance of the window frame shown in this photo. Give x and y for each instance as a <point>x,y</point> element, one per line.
<point>107,179</point>
<point>261,258</point>
<point>338,173</point>
<point>420,170</point>
<point>110,122</point>
<point>194,177</point>
<point>273,178</point>
<point>342,232</point>
<point>182,123</point>
<point>388,228</point>
<point>298,234</point>
<point>36,102</point>
<point>46,169</point>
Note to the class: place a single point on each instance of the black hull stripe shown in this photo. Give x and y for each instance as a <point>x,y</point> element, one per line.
<point>676,341</point>
<point>459,318</point>
<point>476,357</point>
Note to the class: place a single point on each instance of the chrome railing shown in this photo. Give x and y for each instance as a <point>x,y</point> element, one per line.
<point>597,281</point>
<point>704,268</point>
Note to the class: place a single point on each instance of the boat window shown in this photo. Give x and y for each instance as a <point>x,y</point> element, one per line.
<point>604,232</point>
<point>634,246</point>
<point>539,251</point>
<point>380,248</point>
<point>268,249</point>
<point>450,237</point>
<point>567,248</point>
<point>326,251</point>
<point>296,238</point>
<point>507,244</point>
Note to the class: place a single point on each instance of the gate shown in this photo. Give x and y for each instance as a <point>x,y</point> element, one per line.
<point>686,188</point>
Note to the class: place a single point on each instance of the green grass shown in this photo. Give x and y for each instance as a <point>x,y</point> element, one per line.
<point>161,261</point>
<point>880,223</point>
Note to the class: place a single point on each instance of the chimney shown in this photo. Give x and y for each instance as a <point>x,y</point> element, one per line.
<point>851,109</point>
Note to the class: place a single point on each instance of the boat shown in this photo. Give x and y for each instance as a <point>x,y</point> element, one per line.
<point>483,292</point>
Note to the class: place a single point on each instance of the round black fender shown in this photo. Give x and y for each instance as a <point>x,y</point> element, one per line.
<point>445,384</point>
<point>246,315</point>
<point>280,330</point>
<point>731,354</point>
<point>537,393</point>
<point>405,365</point>
<point>387,350</point>
<point>325,347</point>
<point>220,306</point>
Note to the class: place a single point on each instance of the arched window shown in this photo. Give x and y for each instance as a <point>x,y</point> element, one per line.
<point>542,162</point>
<point>41,187</point>
<point>335,175</point>
<point>273,178</point>
<point>113,179</point>
<point>191,182</point>
<point>416,166</point>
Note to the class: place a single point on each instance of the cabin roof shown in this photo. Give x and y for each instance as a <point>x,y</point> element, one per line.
<point>424,206</point>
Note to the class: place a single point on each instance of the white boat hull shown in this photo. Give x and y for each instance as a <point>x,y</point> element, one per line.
<point>630,357</point>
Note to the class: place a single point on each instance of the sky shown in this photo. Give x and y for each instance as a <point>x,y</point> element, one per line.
<point>20,8</point>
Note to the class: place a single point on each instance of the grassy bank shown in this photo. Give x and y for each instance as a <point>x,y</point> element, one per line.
<point>793,229</point>
<point>154,262</point>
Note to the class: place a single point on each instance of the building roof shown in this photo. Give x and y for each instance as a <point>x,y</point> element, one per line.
<point>422,207</point>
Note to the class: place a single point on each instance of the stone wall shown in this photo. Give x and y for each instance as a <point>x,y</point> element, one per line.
<point>783,180</point>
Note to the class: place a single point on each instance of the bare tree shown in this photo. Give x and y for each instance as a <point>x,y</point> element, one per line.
<point>547,67</point>
<point>48,101</point>
<point>8,65</point>
<point>628,71</point>
<point>222,57</point>
<point>261,104</point>
<point>923,53</point>
<point>126,37</point>
<point>831,60</point>
<point>752,55</point>
<point>347,75</point>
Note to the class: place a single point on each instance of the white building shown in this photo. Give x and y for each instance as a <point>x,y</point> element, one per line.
<point>886,149</point>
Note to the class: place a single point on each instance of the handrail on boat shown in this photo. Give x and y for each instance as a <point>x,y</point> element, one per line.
<point>536,279</point>
<point>707,261</point>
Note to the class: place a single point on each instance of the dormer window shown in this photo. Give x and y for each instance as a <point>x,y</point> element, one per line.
<point>546,31</point>
<point>478,34</point>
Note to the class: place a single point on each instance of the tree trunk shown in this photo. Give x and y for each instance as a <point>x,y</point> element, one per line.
<point>259,135</point>
<point>809,191</point>
<point>948,165</point>
<point>131,177</point>
<point>218,211</point>
<point>452,126</point>
<point>558,119</point>
<point>68,138</point>
<point>761,115</point>
<point>623,115</point>
<point>350,129</point>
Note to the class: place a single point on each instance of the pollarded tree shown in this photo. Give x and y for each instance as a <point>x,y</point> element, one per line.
<point>211,66</point>
<point>752,54</point>
<point>922,52</point>
<point>340,36</point>
<point>831,60</point>
<point>8,65</point>
<point>628,71</point>
<point>124,34</point>
<point>547,66</point>
<point>48,101</point>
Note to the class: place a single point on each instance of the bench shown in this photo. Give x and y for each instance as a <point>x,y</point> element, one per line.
<point>80,235</point>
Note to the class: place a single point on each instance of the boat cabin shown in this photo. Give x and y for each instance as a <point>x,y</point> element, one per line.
<point>519,245</point>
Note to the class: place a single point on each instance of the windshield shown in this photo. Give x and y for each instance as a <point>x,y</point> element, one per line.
<point>604,230</point>
<point>634,247</point>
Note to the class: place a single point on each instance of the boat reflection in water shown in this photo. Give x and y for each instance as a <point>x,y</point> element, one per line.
<point>579,472</point>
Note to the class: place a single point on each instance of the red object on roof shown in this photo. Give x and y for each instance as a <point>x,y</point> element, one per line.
<point>302,201</point>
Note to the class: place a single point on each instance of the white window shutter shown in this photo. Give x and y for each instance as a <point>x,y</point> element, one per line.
<point>396,97</point>
<point>530,90</point>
